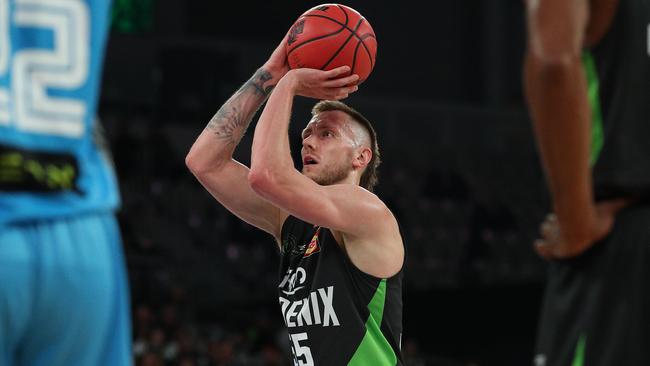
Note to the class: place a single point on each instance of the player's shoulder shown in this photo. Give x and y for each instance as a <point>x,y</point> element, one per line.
<point>361,193</point>
<point>381,211</point>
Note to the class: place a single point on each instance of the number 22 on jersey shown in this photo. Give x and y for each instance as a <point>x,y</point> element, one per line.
<point>29,78</point>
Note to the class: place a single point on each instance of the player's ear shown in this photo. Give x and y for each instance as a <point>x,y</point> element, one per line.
<point>362,157</point>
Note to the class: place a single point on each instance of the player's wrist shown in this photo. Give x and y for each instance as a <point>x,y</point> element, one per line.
<point>276,72</point>
<point>581,234</point>
<point>289,82</point>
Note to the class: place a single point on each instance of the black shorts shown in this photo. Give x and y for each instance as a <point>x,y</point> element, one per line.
<point>596,307</point>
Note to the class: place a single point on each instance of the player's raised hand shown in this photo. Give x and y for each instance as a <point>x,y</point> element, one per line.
<point>277,64</point>
<point>333,84</point>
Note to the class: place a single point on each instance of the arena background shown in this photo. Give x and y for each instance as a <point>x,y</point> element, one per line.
<point>460,172</point>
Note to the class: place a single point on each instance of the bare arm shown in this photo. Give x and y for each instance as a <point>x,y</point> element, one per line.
<point>556,90</point>
<point>273,175</point>
<point>358,214</point>
<point>210,158</point>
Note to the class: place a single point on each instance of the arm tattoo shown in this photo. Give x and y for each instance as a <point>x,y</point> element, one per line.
<point>231,121</point>
<point>228,125</point>
<point>257,82</point>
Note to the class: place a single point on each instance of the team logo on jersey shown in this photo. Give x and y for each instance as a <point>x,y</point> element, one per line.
<point>313,246</point>
<point>292,281</point>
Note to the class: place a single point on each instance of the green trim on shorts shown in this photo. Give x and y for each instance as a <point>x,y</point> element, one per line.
<point>593,92</point>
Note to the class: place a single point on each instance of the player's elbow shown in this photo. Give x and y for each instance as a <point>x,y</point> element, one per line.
<point>554,59</point>
<point>556,41</point>
<point>552,67</point>
<point>193,163</point>
<point>198,165</point>
<point>261,181</point>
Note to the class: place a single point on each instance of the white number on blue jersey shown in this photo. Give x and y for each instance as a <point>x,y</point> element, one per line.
<point>36,71</point>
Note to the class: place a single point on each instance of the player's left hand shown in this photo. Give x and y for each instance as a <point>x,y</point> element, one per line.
<point>333,84</point>
<point>553,243</point>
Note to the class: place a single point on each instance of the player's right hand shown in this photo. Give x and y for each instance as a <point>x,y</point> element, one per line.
<point>333,84</point>
<point>277,64</point>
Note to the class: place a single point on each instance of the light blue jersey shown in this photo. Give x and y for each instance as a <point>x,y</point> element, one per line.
<point>51,54</point>
<point>64,296</point>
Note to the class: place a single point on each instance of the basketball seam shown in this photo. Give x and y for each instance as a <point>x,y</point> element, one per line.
<point>315,39</point>
<point>344,13</point>
<point>354,57</point>
<point>337,22</point>
<point>343,45</point>
<point>343,26</point>
<point>372,61</point>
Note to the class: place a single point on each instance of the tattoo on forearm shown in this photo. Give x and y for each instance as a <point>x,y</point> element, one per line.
<point>228,125</point>
<point>231,121</point>
<point>257,82</point>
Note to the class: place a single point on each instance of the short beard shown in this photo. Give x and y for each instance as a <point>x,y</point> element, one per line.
<point>332,176</point>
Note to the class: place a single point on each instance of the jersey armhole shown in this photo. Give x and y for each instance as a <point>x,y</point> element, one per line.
<point>367,276</point>
<point>349,262</point>
<point>287,225</point>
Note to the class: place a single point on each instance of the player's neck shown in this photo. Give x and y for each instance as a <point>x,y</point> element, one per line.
<point>350,179</point>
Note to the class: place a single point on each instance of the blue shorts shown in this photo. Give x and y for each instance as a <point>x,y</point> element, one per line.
<point>64,297</point>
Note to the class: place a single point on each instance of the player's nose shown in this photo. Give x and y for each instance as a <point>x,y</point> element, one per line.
<point>308,143</point>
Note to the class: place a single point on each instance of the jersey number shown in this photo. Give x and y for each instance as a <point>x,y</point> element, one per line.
<point>34,71</point>
<point>302,353</point>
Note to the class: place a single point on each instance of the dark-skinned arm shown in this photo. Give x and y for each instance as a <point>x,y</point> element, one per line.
<point>556,91</point>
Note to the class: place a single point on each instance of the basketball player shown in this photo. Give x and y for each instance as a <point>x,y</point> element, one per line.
<point>587,83</point>
<point>341,249</point>
<point>63,290</point>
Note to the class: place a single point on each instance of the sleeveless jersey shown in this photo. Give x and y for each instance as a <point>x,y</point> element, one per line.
<point>335,313</point>
<point>618,72</point>
<point>51,52</point>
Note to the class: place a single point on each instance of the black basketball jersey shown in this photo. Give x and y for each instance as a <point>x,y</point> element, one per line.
<point>335,313</point>
<point>618,71</point>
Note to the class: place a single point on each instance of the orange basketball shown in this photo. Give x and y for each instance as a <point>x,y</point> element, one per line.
<point>332,35</point>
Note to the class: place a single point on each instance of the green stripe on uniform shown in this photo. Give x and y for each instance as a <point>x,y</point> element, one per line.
<point>374,348</point>
<point>579,357</point>
<point>593,92</point>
